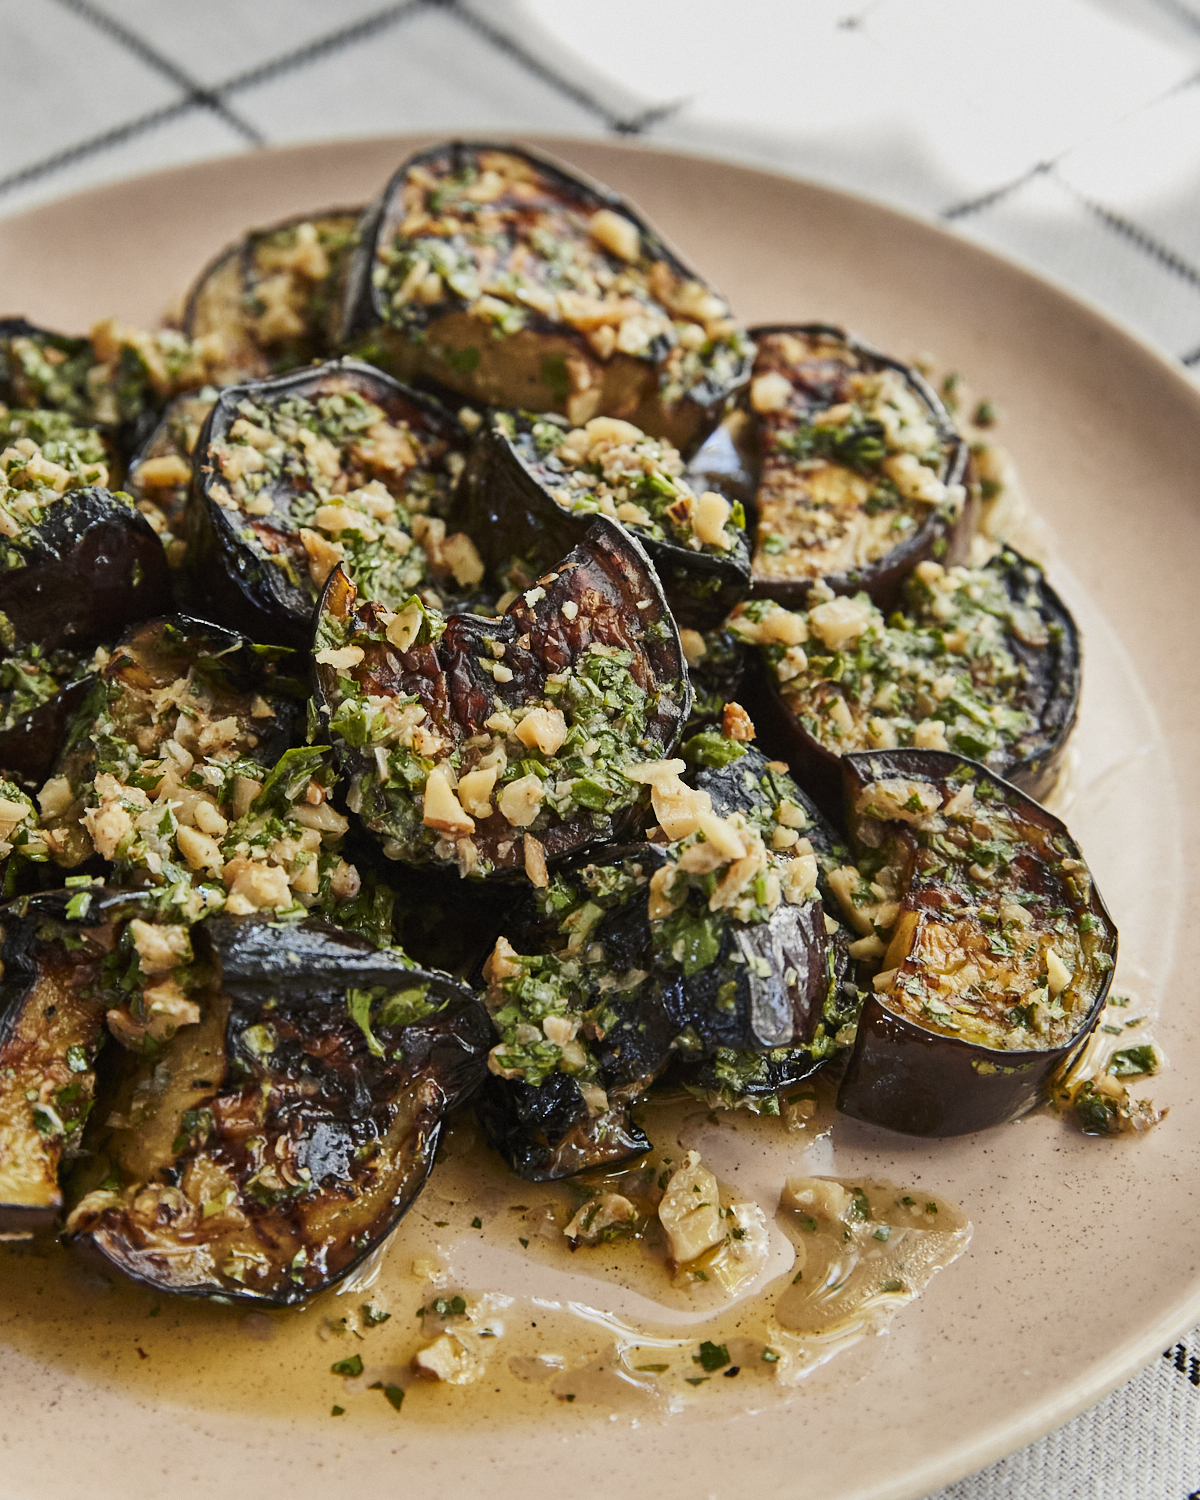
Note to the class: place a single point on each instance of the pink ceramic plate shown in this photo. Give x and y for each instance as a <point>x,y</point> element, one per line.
<point>1084,1261</point>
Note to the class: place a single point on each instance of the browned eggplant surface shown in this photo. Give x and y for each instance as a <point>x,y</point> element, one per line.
<point>269,298</point>
<point>53,998</point>
<point>716,663</point>
<point>995,949</point>
<point>336,464</point>
<point>710,947</point>
<point>984,662</point>
<point>860,469</point>
<point>500,744</point>
<point>499,274</point>
<point>534,483</point>
<point>291,1127</point>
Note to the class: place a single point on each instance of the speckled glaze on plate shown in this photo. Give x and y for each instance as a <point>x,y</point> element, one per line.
<point>1085,1260</point>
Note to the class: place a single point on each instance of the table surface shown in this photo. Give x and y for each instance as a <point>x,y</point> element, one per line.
<point>1063,133</point>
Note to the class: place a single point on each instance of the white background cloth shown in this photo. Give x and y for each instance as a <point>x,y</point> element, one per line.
<point>1064,132</point>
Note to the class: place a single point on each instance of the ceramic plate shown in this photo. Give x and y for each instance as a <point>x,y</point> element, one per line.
<point>1084,1262</point>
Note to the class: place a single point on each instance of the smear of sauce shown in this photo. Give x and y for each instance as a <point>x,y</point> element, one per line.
<point>519,1325</point>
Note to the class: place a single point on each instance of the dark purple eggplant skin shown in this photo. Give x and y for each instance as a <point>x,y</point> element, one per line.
<point>606,576</point>
<point>52,1009</point>
<point>510,515</point>
<point>362,325</point>
<point>290,1062</point>
<point>924,1083</point>
<point>672,1020</point>
<point>1055,681</point>
<point>29,749</point>
<point>91,567</point>
<point>227,580</point>
<point>944,540</point>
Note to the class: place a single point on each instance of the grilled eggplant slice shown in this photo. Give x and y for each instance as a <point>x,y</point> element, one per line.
<point>78,563</point>
<point>269,298</point>
<point>499,274</point>
<point>159,476</point>
<point>534,483</point>
<point>53,998</point>
<point>289,1130</point>
<point>500,744</point>
<point>332,464</point>
<point>997,950</point>
<point>984,662</point>
<point>860,469</point>
<point>708,947</point>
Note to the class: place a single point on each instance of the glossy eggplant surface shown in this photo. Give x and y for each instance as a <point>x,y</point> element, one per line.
<point>534,483</point>
<point>333,464</point>
<point>53,997</point>
<point>77,563</point>
<point>995,949</point>
<point>269,298</point>
<point>711,945</point>
<point>500,744</point>
<point>984,662</point>
<point>860,468</point>
<point>291,1127</point>
<point>498,274</point>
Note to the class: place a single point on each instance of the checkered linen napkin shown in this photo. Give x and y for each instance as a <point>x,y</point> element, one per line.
<point>1064,132</point>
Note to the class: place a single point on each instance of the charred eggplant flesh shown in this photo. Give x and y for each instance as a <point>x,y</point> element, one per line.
<point>860,468</point>
<point>292,1126</point>
<point>534,483</point>
<point>499,745</point>
<point>269,298</point>
<point>499,274</point>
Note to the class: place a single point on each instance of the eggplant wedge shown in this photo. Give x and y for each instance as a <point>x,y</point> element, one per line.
<point>711,944</point>
<point>995,948</point>
<point>335,464</point>
<point>53,998</point>
<point>501,275</point>
<point>291,1128</point>
<point>77,564</point>
<point>159,476</point>
<point>533,485</point>
<point>983,662</point>
<point>269,298</point>
<point>499,745</point>
<point>861,471</point>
